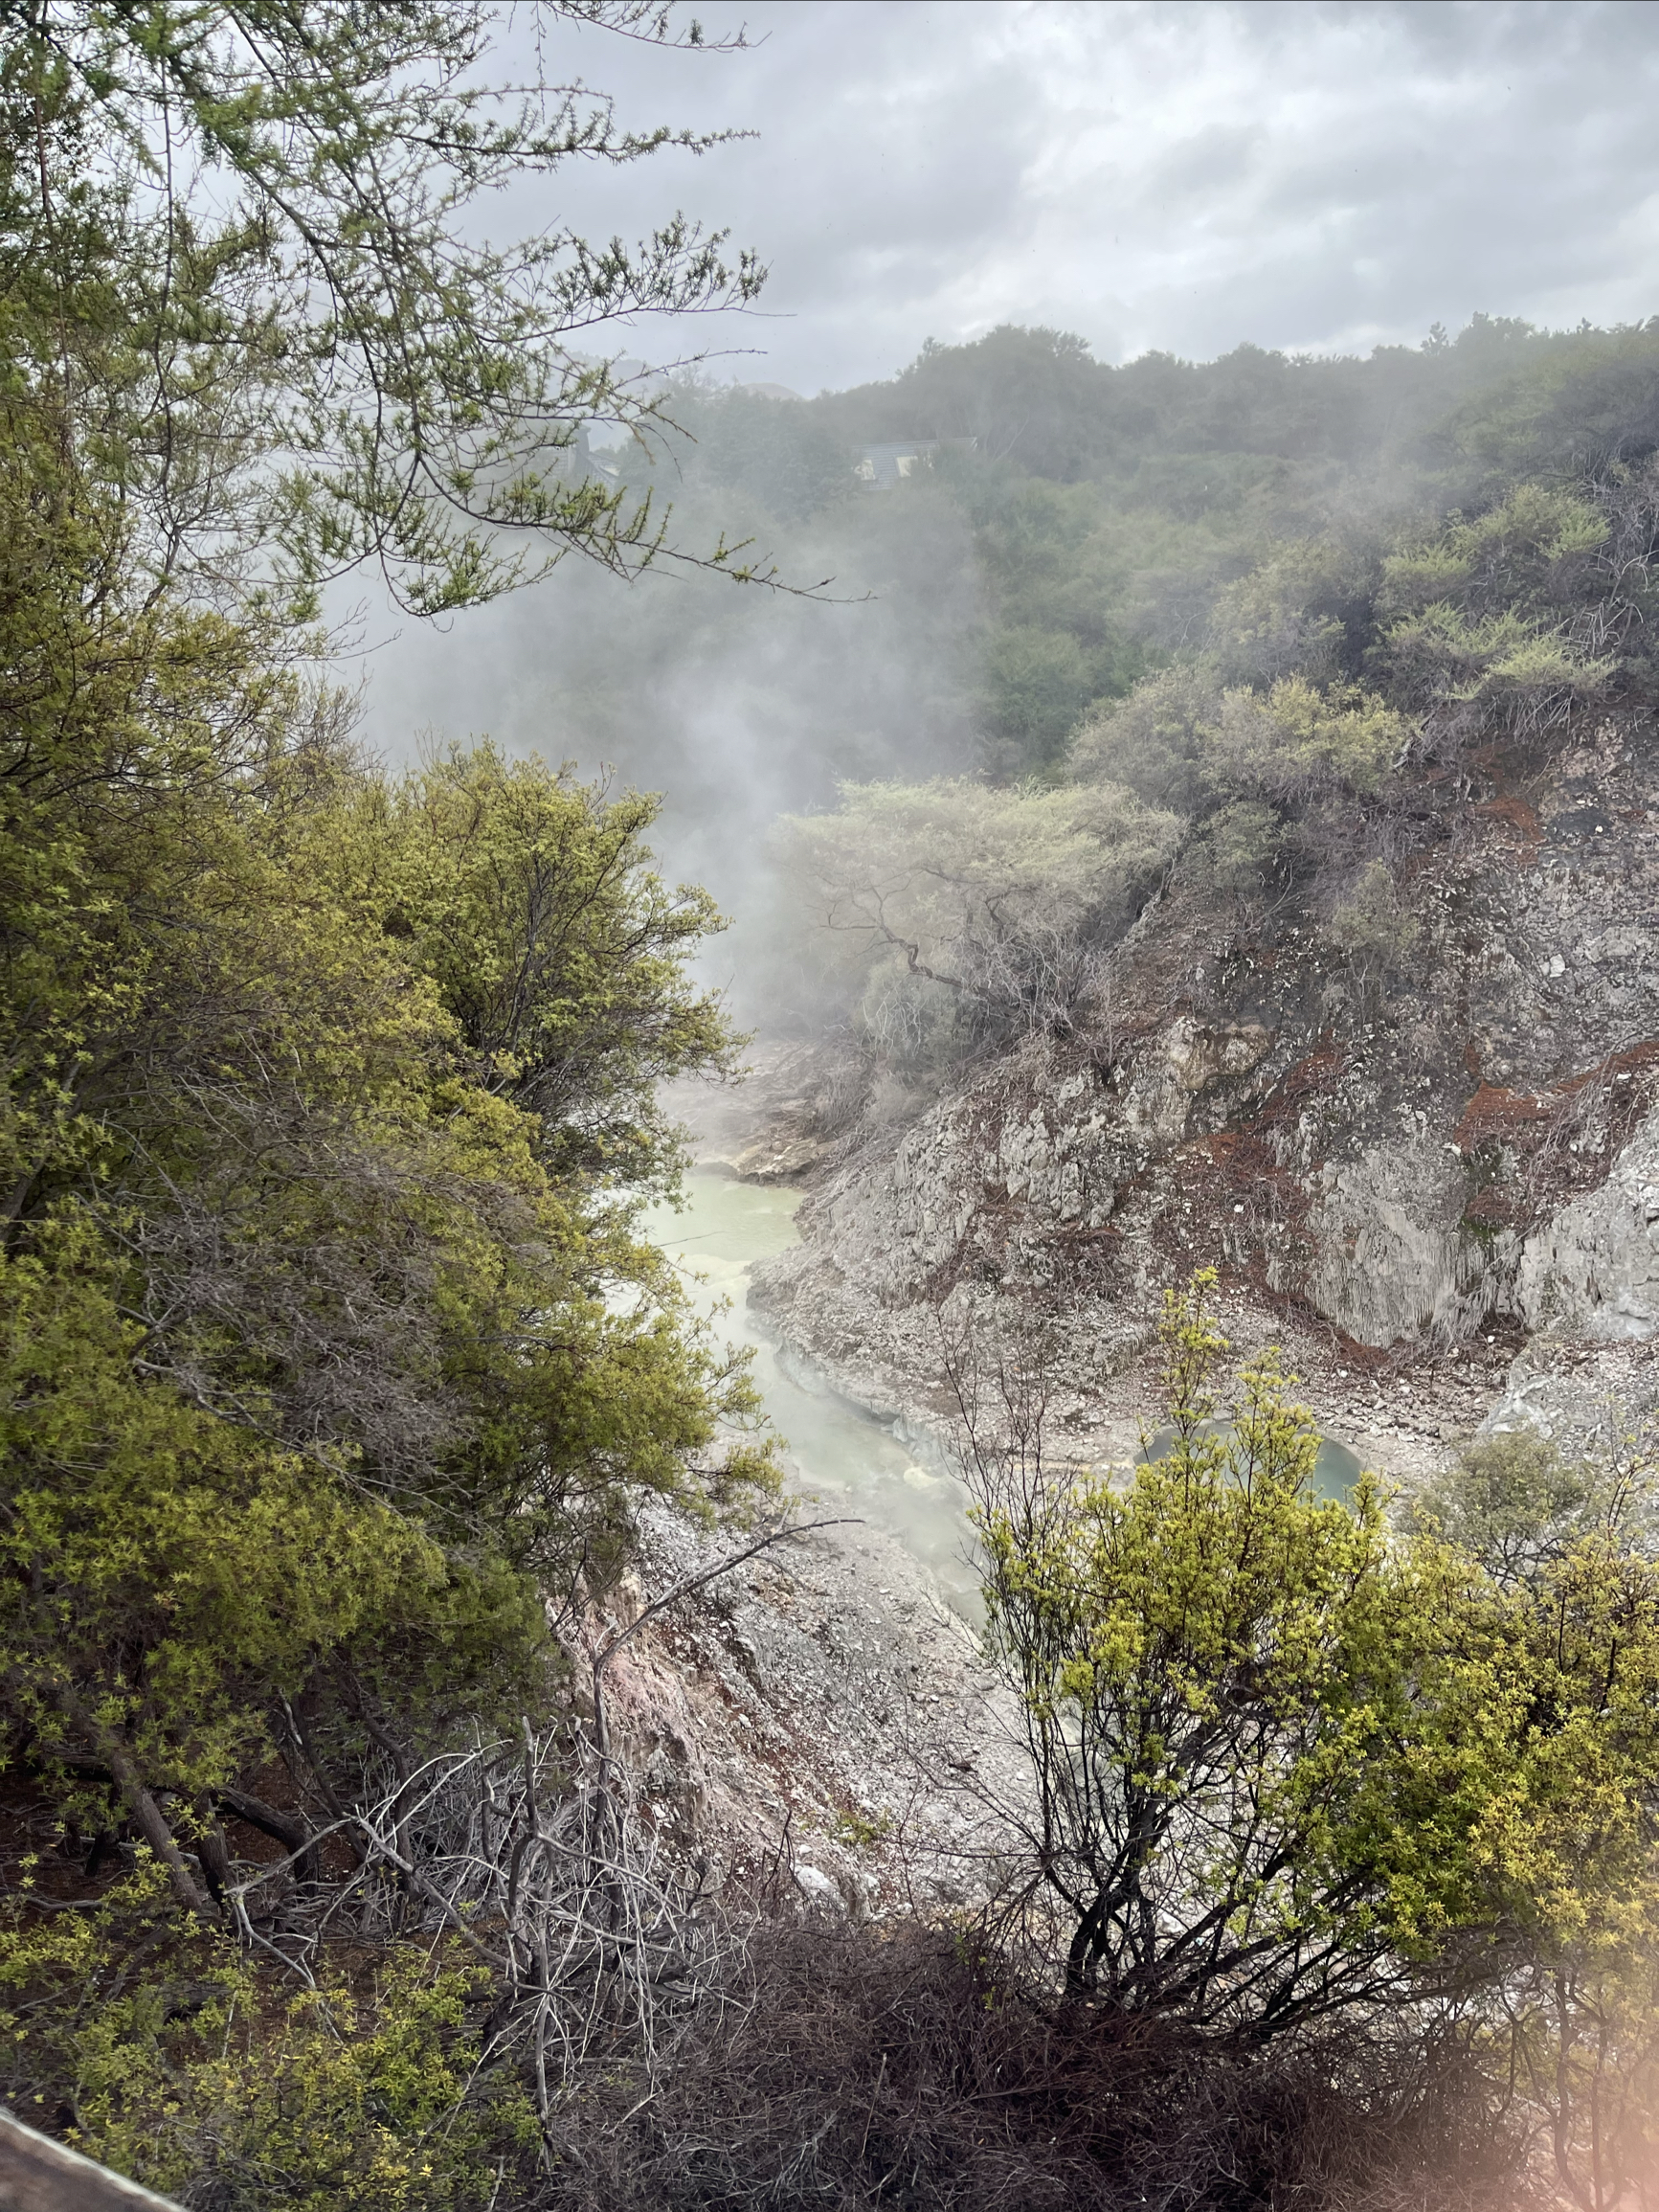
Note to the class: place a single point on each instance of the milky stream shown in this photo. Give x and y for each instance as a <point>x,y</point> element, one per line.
<point>846,1459</point>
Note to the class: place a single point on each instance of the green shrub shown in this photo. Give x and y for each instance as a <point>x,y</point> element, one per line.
<point>1182,741</point>
<point>1153,741</point>
<point>195,2073</point>
<point>1511,1501</point>
<point>1240,846</point>
<point>1372,929</point>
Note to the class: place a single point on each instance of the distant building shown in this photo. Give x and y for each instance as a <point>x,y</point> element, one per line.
<point>886,466</point>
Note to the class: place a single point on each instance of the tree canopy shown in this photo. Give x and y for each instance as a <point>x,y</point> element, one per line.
<point>243,278</point>
<point>328,1093</point>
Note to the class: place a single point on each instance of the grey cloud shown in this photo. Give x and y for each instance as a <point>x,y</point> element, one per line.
<point>1183,176</point>
<point>1218,160</point>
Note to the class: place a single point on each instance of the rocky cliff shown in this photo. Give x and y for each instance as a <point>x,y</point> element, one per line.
<point>1408,1171</point>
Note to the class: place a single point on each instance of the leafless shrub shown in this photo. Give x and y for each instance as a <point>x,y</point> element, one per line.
<point>909,2068</point>
<point>602,1944</point>
<point>603,1947</point>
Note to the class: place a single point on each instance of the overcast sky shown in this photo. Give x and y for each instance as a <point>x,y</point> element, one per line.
<point>1146,174</point>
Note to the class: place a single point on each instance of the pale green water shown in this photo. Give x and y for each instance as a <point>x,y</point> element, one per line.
<point>1335,1470</point>
<point>846,1459</point>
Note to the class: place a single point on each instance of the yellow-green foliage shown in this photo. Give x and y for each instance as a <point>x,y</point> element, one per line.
<point>1427,574</point>
<point>190,1570</point>
<point>187,2070</point>
<point>1508,660</point>
<point>1484,619</point>
<point>1180,737</point>
<point>1152,741</point>
<point>327,1098</point>
<point>1511,545</point>
<point>1477,615</point>
<point>1511,1501</point>
<point>1283,1748</point>
<point>1281,617</point>
<point>561,955</point>
<point>1569,1547</point>
<point>1239,849</point>
<point>1301,735</point>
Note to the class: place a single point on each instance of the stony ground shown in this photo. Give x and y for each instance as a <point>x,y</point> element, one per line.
<point>819,1714</point>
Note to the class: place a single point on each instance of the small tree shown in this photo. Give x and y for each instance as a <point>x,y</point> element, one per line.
<point>1003,898</point>
<point>325,1336</point>
<point>1291,1763</point>
<point>1263,1735</point>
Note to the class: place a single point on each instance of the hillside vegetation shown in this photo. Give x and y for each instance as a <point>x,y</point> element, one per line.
<point>1275,602</point>
<point>340,1377</point>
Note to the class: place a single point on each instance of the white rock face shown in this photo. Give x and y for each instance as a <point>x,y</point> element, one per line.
<point>1594,1267</point>
<point>1390,1264</point>
<point>819,1891</point>
<point>1195,1055</point>
<point>1384,1167</point>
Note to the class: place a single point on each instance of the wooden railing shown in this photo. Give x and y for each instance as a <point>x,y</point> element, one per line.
<point>38,2175</point>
